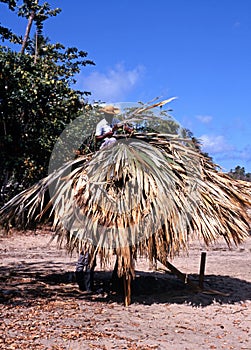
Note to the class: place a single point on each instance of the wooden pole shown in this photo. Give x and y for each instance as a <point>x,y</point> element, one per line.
<point>202,269</point>
<point>127,288</point>
<point>186,280</point>
<point>181,275</point>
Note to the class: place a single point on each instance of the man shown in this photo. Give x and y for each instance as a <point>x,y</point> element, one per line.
<point>85,273</point>
<point>107,127</point>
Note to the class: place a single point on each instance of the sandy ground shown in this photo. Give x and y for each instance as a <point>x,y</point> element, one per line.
<point>42,308</point>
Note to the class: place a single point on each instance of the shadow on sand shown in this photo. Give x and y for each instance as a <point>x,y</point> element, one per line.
<point>27,282</point>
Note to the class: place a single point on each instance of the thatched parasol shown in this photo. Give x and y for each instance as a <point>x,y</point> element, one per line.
<point>149,193</point>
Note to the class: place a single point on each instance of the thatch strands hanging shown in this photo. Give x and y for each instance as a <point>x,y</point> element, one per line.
<point>142,186</point>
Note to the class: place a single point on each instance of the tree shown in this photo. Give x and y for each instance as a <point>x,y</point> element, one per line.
<point>37,100</point>
<point>239,173</point>
<point>33,12</point>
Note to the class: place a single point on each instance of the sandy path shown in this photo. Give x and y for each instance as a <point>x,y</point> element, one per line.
<point>42,308</point>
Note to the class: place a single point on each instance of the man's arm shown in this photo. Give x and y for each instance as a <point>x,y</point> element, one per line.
<point>128,128</point>
<point>100,135</point>
<point>107,134</point>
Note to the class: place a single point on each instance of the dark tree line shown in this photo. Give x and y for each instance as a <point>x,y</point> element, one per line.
<point>239,173</point>
<point>37,99</point>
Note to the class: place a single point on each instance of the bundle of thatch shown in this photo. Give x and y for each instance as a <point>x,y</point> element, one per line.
<point>148,192</point>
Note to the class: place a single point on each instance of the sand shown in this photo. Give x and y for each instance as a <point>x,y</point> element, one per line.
<point>42,308</point>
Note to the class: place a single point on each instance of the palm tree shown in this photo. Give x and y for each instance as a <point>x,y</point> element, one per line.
<point>149,192</point>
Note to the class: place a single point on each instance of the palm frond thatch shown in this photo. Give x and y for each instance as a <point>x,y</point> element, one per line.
<point>149,189</point>
<point>149,192</point>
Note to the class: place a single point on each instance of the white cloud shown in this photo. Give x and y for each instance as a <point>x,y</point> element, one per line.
<point>215,144</point>
<point>204,118</point>
<point>114,84</point>
<point>226,154</point>
<point>243,154</point>
<point>237,24</point>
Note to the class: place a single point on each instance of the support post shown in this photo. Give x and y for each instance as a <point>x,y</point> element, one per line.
<point>181,275</point>
<point>202,269</point>
<point>127,288</point>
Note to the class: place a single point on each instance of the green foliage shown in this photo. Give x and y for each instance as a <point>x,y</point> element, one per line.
<point>6,33</point>
<point>42,12</point>
<point>239,173</point>
<point>11,3</point>
<point>37,101</point>
<point>28,8</point>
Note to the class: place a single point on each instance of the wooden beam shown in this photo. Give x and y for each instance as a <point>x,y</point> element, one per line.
<point>183,277</point>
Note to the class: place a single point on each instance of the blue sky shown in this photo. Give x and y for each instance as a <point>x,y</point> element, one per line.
<point>197,50</point>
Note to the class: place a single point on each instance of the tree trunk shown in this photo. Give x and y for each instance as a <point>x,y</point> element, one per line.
<point>127,288</point>
<point>27,32</point>
<point>36,49</point>
<point>123,274</point>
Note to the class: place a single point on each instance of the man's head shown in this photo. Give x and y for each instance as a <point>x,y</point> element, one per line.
<point>109,112</point>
